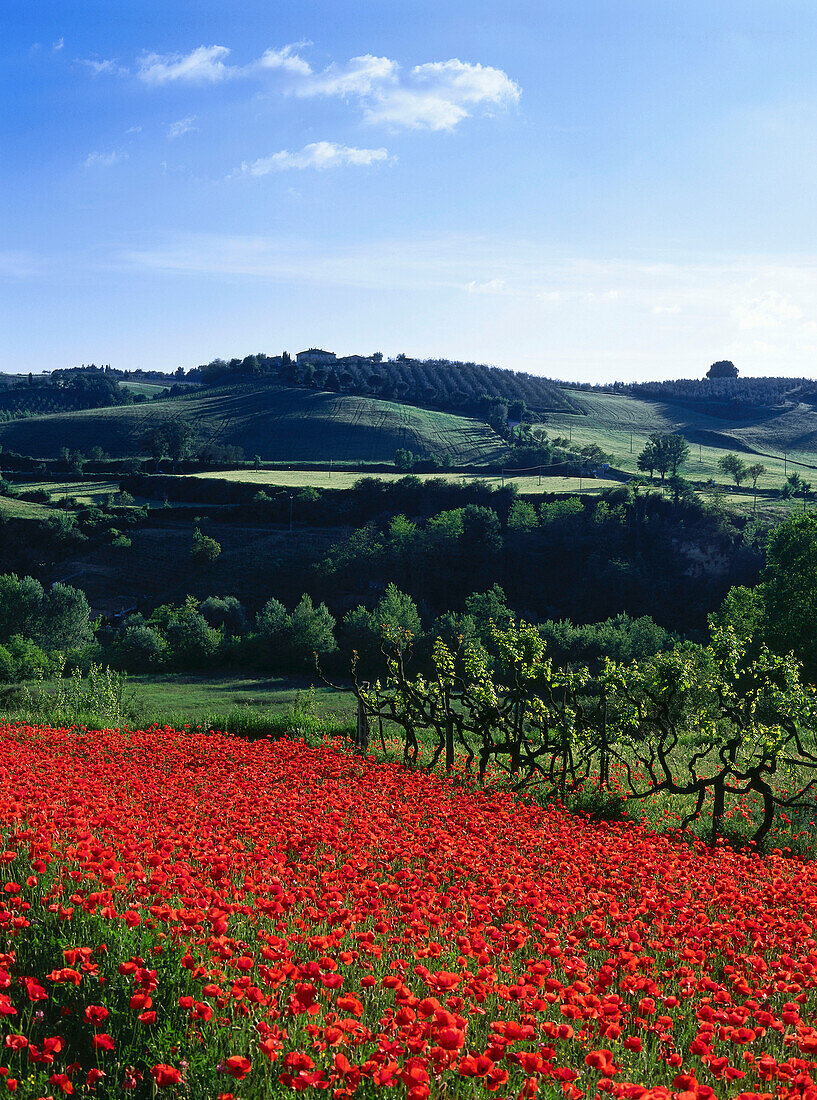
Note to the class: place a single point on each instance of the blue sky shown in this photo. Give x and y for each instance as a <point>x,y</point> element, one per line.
<point>583,189</point>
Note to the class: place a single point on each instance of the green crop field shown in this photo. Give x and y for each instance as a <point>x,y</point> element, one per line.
<point>276,422</point>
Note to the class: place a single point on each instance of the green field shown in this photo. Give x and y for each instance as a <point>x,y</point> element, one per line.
<point>621,425</point>
<point>236,704</point>
<point>198,697</point>
<point>11,508</point>
<point>278,423</point>
<point>86,492</point>
<point>146,388</point>
<point>343,479</point>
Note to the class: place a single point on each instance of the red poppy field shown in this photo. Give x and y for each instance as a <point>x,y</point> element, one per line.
<point>192,915</point>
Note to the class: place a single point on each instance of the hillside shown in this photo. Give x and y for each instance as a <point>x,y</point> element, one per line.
<point>276,422</point>
<point>620,425</point>
<point>454,386</point>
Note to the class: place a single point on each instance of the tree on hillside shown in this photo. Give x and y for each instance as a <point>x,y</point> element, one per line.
<point>665,453</point>
<point>724,368</point>
<point>754,473</point>
<point>404,459</point>
<point>171,439</point>
<point>677,451</point>
<point>647,459</point>
<point>734,467</point>
<point>204,550</point>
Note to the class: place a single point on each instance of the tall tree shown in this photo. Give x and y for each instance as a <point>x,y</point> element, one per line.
<point>734,467</point>
<point>724,368</point>
<point>677,450</point>
<point>755,473</point>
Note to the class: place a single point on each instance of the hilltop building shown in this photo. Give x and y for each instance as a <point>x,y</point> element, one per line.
<point>315,357</point>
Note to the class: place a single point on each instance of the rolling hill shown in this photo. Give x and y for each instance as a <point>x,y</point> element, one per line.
<point>279,423</point>
<point>620,424</point>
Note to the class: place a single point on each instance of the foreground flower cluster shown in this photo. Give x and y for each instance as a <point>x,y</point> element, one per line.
<point>195,915</point>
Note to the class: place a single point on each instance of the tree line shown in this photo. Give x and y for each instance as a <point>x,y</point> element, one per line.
<point>442,383</point>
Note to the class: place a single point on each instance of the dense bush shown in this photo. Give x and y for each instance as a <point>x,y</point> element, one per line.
<point>57,619</point>
<point>294,637</point>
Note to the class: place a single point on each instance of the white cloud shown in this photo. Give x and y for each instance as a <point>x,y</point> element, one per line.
<point>204,65</point>
<point>359,77</point>
<point>436,95</point>
<point>492,286</point>
<point>182,126</point>
<point>440,94</point>
<point>769,310</point>
<point>104,160</point>
<point>285,59</point>
<point>319,154</point>
<point>98,67</point>
<point>58,45</point>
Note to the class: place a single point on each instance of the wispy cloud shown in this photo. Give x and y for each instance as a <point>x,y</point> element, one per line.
<point>319,154</point>
<point>572,316</point>
<point>58,45</point>
<point>21,264</point>
<point>181,126</point>
<point>358,77</point>
<point>436,95</point>
<point>107,65</point>
<point>104,160</point>
<point>285,59</point>
<point>204,65</point>
<point>768,310</point>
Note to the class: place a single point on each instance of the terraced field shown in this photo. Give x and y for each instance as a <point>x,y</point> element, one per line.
<point>278,423</point>
<point>10,508</point>
<point>86,492</point>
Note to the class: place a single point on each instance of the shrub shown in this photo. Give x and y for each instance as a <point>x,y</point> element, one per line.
<point>205,550</point>
<point>139,647</point>
<point>224,612</point>
<point>191,641</point>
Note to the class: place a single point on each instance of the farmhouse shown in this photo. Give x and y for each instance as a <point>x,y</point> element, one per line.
<point>315,357</point>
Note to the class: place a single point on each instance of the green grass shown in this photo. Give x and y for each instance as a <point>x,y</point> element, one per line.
<point>247,706</point>
<point>621,425</point>
<point>195,697</point>
<point>147,388</point>
<point>341,479</point>
<point>86,492</point>
<point>278,423</point>
<point>11,508</point>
